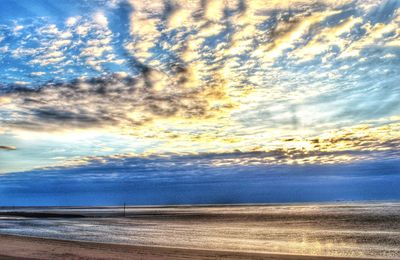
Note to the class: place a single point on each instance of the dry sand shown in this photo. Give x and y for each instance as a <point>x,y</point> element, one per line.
<point>18,247</point>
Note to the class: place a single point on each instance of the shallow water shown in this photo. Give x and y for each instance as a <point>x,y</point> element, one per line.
<point>371,230</point>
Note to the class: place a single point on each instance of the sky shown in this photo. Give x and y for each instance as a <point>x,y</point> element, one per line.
<point>212,101</point>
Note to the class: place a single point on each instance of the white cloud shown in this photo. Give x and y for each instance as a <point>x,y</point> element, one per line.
<point>71,21</point>
<point>101,19</point>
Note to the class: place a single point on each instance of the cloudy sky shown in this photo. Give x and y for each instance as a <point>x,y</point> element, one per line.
<point>212,101</point>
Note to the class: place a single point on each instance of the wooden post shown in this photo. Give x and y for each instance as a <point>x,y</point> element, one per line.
<point>124,209</point>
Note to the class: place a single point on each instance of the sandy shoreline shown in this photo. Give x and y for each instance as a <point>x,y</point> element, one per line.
<point>19,247</point>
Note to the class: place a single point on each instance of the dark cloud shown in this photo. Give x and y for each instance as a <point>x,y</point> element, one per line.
<point>322,155</point>
<point>188,180</point>
<point>113,100</point>
<point>7,148</point>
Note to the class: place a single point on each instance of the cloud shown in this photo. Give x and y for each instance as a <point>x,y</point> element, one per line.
<point>377,141</point>
<point>101,19</point>
<point>7,148</point>
<point>375,36</point>
<point>323,41</point>
<point>71,21</point>
<point>169,167</point>
<point>113,101</point>
<point>288,33</point>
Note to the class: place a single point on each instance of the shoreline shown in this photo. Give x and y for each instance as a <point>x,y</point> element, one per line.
<point>205,205</point>
<point>26,247</point>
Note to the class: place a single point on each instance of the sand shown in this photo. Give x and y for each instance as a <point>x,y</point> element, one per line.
<point>18,247</point>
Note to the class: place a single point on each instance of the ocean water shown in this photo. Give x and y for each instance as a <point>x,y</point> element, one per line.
<point>355,229</point>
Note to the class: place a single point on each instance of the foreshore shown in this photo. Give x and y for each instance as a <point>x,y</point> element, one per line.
<point>21,247</point>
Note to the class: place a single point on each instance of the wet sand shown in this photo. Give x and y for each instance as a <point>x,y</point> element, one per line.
<point>19,247</point>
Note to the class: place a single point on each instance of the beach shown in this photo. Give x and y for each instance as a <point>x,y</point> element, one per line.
<point>276,231</point>
<point>19,247</point>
